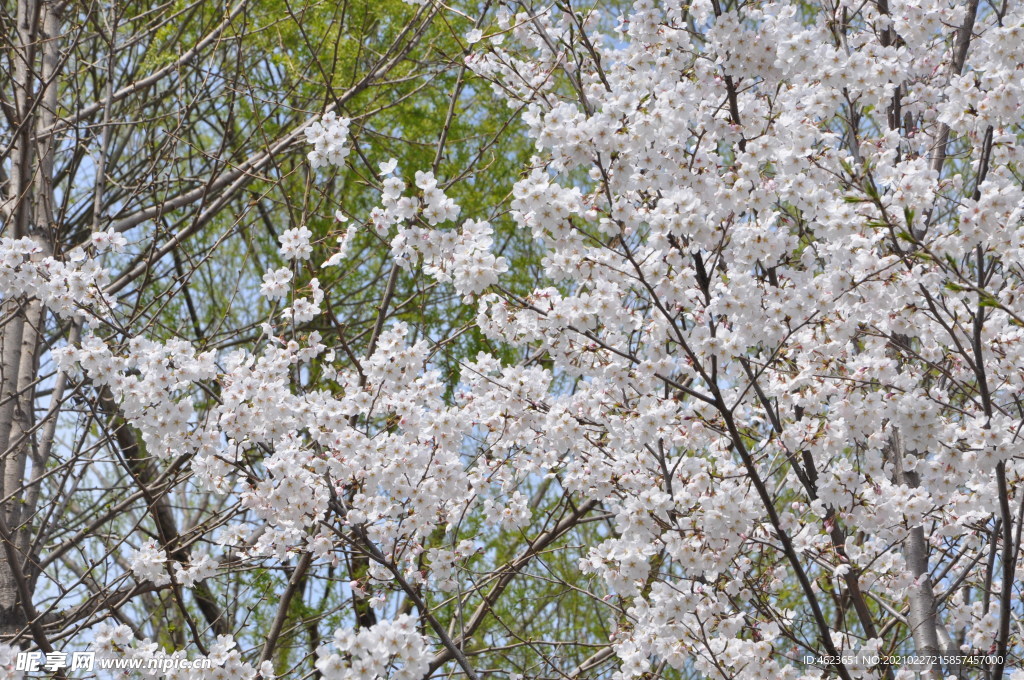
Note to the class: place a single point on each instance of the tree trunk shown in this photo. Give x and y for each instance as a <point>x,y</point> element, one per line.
<point>27,212</point>
<point>923,613</point>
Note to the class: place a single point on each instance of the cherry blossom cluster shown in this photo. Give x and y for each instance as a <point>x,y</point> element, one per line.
<point>8,663</point>
<point>329,137</point>
<point>295,244</point>
<point>464,259</point>
<point>431,203</point>
<point>118,642</point>
<point>64,285</point>
<point>152,382</point>
<point>391,649</point>
<point>148,564</point>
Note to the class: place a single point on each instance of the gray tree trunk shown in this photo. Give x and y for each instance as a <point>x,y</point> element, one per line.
<point>27,212</point>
